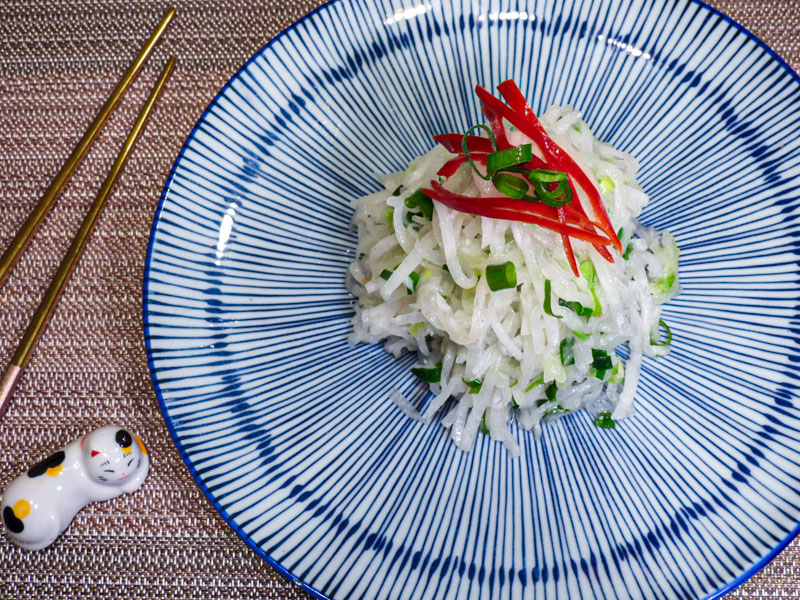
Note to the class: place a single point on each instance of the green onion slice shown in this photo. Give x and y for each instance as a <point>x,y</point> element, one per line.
<point>588,271</point>
<point>510,186</point>
<point>669,336</point>
<point>414,277</point>
<point>473,385</point>
<point>628,250</point>
<point>558,410</point>
<point>581,336</point>
<point>550,392</point>
<point>541,180</point>
<point>548,309</point>
<point>607,185</point>
<point>464,147</point>
<point>601,360</point>
<point>501,277</point>
<point>604,420</point>
<point>567,351</point>
<point>429,374</point>
<point>423,202</point>
<point>510,157</point>
<point>386,273</point>
<point>484,428</point>
<point>533,384</point>
<point>576,307</point>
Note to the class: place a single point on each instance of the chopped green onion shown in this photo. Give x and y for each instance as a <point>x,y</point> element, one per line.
<point>429,374</point>
<point>464,147</point>
<point>669,336</point>
<point>664,285</point>
<point>601,360</point>
<point>588,271</point>
<point>558,410</point>
<point>502,159</point>
<point>415,328</point>
<point>605,421</point>
<point>548,309</point>
<point>410,216</point>
<point>533,384</point>
<point>576,307</point>
<point>618,374</point>
<point>513,383</point>
<point>501,277</point>
<point>514,403</point>
<point>474,385</point>
<point>389,216</point>
<point>423,202</point>
<point>601,374</point>
<point>510,186</point>
<point>386,273</point>
<point>628,250</point>
<point>541,180</point>
<point>550,392</point>
<point>581,336</point>
<point>426,273</point>
<point>398,191</point>
<point>567,351</point>
<point>607,185</point>
<point>484,428</point>
<point>414,277</point>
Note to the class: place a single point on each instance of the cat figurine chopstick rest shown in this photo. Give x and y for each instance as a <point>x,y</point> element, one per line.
<point>38,505</point>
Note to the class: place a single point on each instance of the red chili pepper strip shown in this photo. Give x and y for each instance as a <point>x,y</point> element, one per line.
<point>506,203</point>
<point>498,129</point>
<point>475,143</point>
<point>562,218</point>
<point>575,207</point>
<point>451,166</point>
<point>536,163</point>
<point>523,118</point>
<point>508,208</point>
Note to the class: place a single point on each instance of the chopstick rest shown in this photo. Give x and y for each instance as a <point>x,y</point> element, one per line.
<point>103,464</point>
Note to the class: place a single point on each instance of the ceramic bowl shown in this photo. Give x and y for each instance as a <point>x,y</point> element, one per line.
<point>290,431</point>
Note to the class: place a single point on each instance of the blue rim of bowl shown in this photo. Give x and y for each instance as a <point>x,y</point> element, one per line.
<point>719,593</point>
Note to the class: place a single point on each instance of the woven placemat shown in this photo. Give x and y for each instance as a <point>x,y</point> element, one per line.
<point>59,60</point>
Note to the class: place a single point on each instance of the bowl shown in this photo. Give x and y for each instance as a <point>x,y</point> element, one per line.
<point>290,431</point>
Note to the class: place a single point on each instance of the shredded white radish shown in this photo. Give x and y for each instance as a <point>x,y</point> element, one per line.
<point>421,285</point>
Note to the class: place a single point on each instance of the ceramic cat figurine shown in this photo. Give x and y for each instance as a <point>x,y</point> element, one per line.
<point>38,505</point>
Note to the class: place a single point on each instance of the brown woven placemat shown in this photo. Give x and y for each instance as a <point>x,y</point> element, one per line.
<point>59,59</point>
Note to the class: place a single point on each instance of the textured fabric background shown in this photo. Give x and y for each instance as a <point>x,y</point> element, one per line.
<point>59,59</point>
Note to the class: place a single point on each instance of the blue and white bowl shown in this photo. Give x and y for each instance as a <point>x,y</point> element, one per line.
<point>290,431</point>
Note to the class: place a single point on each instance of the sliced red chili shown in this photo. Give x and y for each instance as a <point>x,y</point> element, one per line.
<point>451,166</point>
<point>498,128</point>
<point>523,118</point>
<point>475,143</point>
<point>562,218</point>
<point>512,210</point>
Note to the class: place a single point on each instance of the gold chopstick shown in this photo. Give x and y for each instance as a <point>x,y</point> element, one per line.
<point>42,315</point>
<point>25,233</point>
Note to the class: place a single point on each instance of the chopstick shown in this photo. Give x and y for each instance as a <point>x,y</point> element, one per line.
<point>39,321</point>
<point>25,233</point>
